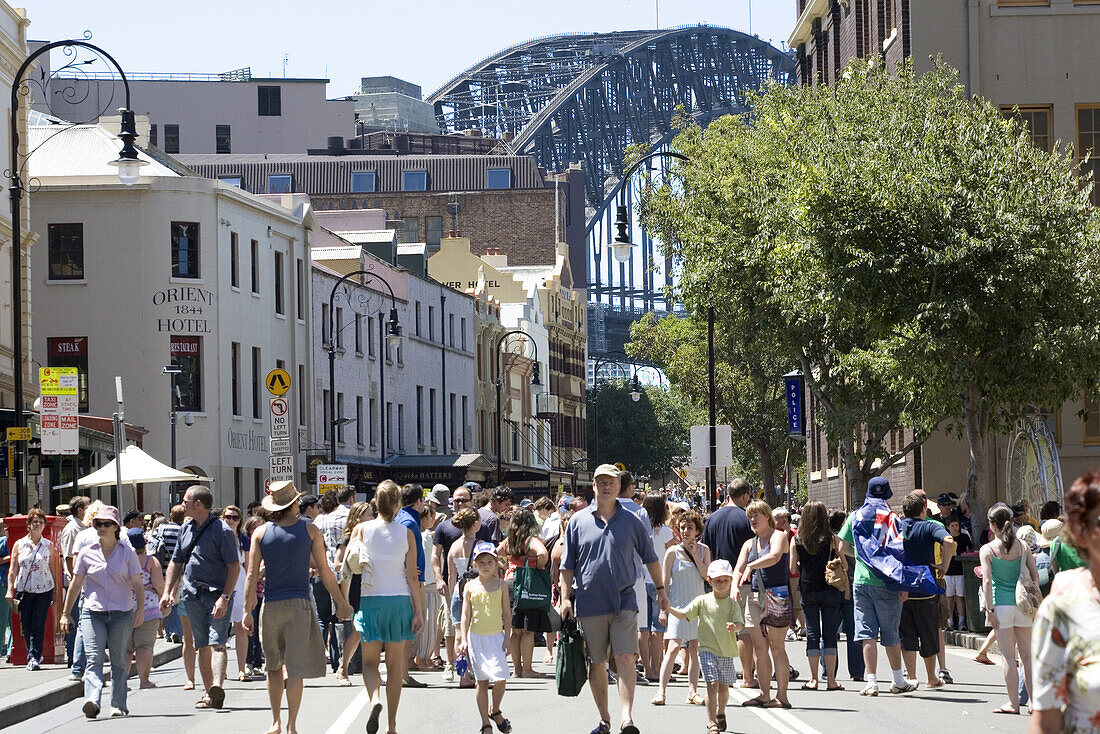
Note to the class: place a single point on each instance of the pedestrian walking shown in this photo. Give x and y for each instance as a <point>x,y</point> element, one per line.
<point>684,569</point>
<point>719,618</point>
<point>360,512</point>
<point>523,549</point>
<point>65,541</point>
<point>483,634</point>
<point>289,632</point>
<point>233,518</point>
<point>5,606</point>
<point>656,519</point>
<point>814,546</point>
<point>412,504</point>
<point>1005,560</point>
<point>254,663</point>
<point>109,574</point>
<point>763,567</point>
<point>32,579</point>
<point>603,544</point>
<point>391,607</point>
<point>162,544</point>
<point>207,562</point>
<point>336,506</point>
<point>443,537</point>
<point>145,634</point>
<point>427,640</point>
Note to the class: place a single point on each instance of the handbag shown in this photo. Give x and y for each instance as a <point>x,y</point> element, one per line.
<point>357,563</point>
<point>778,607</point>
<point>530,587</point>
<point>836,572</point>
<point>1028,596</point>
<point>571,672</point>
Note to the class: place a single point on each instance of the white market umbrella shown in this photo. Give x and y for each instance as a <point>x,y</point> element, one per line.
<point>137,467</point>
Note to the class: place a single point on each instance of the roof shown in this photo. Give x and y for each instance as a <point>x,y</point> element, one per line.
<point>369,236</point>
<point>411,461</point>
<point>61,150</point>
<point>412,248</point>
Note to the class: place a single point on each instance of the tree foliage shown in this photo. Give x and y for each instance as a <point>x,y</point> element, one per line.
<point>907,246</point>
<point>649,436</point>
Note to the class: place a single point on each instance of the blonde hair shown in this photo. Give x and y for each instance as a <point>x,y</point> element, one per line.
<point>91,512</point>
<point>760,507</point>
<point>388,498</point>
<point>355,516</point>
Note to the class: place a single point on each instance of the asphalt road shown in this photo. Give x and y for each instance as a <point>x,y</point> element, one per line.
<point>533,706</point>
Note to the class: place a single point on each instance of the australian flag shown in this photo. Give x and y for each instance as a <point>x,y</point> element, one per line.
<point>876,530</point>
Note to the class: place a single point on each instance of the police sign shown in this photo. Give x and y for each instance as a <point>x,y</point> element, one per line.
<point>793,387</point>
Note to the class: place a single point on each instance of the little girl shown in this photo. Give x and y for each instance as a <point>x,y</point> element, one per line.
<point>483,633</point>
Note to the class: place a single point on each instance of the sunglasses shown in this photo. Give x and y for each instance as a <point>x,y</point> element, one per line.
<point>231,517</point>
<point>102,523</point>
<point>462,502</point>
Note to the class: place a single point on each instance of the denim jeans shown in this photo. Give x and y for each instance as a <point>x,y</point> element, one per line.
<point>80,652</point>
<point>822,609</point>
<point>255,654</point>
<point>106,632</point>
<point>173,625</point>
<point>856,666</point>
<point>5,615</point>
<point>326,619</point>
<point>32,620</point>
<point>70,637</point>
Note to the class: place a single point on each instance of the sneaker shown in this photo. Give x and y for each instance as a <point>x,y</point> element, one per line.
<point>641,680</point>
<point>32,664</point>
<point>791,636</point>
<point>909,687</point>
<point>91,709</point>
<point>612,679</point>
<point>604,727</point>
<point>870,689</point>
<point>176,640</point>
<point>117,712</point>
<point>74,676</point>
<point>945,676</point>
<point>448,673</point>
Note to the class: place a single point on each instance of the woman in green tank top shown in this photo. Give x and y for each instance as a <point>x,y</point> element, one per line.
<point>1001,560</point>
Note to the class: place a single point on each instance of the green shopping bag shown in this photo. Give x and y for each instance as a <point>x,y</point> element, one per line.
<point>531,588</point>
<point>572,668</point>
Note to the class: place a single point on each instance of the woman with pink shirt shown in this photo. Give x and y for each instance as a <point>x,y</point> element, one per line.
<point>109,573</point>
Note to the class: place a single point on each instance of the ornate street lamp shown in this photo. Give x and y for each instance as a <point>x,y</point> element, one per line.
<point>621,247</point>
<point>535,385</point>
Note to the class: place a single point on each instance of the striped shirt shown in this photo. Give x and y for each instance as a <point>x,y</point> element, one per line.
<point>166,534</point>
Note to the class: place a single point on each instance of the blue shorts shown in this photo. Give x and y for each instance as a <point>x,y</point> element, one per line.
<point>877,613</point>
<point>205,630</point>
<point>456,609</point>
<point>653,611</point>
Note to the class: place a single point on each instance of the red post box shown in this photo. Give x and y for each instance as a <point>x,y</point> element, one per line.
<point>53,645</point>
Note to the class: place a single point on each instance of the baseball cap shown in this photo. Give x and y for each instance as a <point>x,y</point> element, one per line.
<point>485,547</point>
<point>563,503</point>
<point>945,499</point>
<point>718,568</point>
<point>606,470</point>
<point>137,538</point>
<point>526,502</point>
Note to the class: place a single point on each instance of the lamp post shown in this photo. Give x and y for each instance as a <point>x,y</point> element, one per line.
<point>172,370</point>
<point>635,392</point>
<point>129,170</point>
<point>535,383</point>
<point>393,336</point>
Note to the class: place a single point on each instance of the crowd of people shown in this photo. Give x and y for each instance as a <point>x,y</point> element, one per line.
<point>474,586</point>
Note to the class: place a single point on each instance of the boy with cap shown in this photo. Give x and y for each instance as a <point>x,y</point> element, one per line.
<point>719,621</point>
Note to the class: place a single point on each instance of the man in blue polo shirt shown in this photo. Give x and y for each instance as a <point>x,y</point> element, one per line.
<point>412,504</point>
<point>601,545</point>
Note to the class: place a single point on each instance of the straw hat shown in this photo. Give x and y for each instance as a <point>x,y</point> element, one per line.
<point>282,495</point>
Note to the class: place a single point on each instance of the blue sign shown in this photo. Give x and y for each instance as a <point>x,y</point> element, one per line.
<point>796,425</point>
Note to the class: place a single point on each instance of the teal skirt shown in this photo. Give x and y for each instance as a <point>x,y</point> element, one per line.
<point>385,619</point>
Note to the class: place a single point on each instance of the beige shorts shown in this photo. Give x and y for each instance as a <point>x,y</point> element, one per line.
<point>145,636</point>
<point>444,618</point>
<point>610,634</point>
<point>754,607</point>
<point>796,595</point>
<point>290,635</point>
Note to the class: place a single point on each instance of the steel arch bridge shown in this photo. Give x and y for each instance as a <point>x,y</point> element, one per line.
<point>586,97</point>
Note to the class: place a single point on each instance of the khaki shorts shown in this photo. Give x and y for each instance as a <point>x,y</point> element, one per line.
<point>754,607</point>
<point>444,617</point>
<point>145,636</point>
<point>945,610</point>
<point>614,634</point>
<point>796,595</point>
<point>290,635</point>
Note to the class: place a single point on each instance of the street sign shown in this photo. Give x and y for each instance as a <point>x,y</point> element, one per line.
<point>281,468</point>
<point>331,476</point>
<point>796,427</point>
<point>682,473</point>
<point>280,419</point>
<point>60,410</point>
<point>19,434</point>
<point>280,445</point>
<point>620,466</point>
<point>700,446</point>
<point>278,382</point>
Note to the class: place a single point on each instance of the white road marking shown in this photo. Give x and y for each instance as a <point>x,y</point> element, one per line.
<point>782,720</point>
<point>350,714</point>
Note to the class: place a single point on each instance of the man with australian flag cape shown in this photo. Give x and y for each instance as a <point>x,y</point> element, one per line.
<point>883,578</point>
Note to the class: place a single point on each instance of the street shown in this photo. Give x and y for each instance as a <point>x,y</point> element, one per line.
<point>533,706</point>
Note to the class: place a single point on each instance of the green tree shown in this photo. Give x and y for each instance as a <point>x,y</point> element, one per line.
<point>649,436</point>
<point>907,246</point>
<point>749,395</point>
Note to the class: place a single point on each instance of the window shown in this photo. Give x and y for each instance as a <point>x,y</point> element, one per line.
<point>71,351</point>
<point>233,179</point>
<point>370,335</point>
<point>324,324</point>
<point>400,427</point>
<point>339,327</point>
<point>186,352</point>
<point>362,181</point>
<point>451,328</point>
<point>431,416</point>
<point>1036,122</point>
<point>389,426</point>
<point>1026,3</point>
<point>417,327</point>
<point>221,139</point>
<point>1091,424</point>
<point>270,101</point>
<point>412,229</point>
<point>465,424</point>
<point>431,323</point>
<point>359,420</point>
<point>255,265</point>
<point>414,181</point>
<point>419,415</point>
<point>66,246</point>
<point>498,178</point>
<point>234,260</point>
<point>153,135</point>
<point>451,418</point>
<point>235,378</point>
<point>1088,142</point>
<point>279,308</point>
<point>257,483</point>
<point>462,336</point>
<point>238,482</point>
<point>302,395</point>
<point>185,249</point>
<point>279,183</point>
<point>257,381</point>
<point>373,408</point>
<point>326,424</point>
<point>171,138</point>
<point>300,287</point>
<point>433,230</point>
<point>340,417</point>
<point>358,334</point>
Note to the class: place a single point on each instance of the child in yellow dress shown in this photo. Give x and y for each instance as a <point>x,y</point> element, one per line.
<point>483,634</point>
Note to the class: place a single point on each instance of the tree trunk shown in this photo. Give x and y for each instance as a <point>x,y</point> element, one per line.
<point>855,478</point>
<point>976,423</point>
<point>767,474</point>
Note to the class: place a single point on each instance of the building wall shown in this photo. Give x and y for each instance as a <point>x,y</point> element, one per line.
<point>129,306</point>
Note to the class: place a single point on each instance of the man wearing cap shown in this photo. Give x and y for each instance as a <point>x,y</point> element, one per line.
<point>603,543</point>
<point>207,560</point>
<point>289,631</point>
<point>309,507</point>
<point>444,535</point>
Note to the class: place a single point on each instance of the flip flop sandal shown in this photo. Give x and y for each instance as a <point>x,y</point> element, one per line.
<point>696,700</point>
<point>502,723</point>
<point>189,686</point>
<point>721,719</point>
<point>755,703</point>
<point>216,694</point>
<point>659,700</point>
<point>204,703</point>
<point>837,687</point>
<point>629,728</point>
<point>372,720</point>
<point>713,729</point>
<point>808,687</point>
<point>1006,710</point>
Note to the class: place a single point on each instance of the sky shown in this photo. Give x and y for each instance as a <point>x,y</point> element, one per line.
<point>426,42</point>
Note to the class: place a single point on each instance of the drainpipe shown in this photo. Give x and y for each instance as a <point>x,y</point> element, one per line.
<point>443,362</point>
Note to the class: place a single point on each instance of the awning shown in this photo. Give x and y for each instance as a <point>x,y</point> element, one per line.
<point>137,467</point>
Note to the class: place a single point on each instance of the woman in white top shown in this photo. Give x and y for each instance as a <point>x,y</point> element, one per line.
<point>391,604</point>
<point>234,519</point>
<point>32,578</point>
<point>652,638</point>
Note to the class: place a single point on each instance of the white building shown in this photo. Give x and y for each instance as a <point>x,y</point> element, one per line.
<point>175,270</point>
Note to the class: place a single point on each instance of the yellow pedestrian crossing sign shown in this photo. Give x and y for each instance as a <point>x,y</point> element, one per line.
<point>278,382</point>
